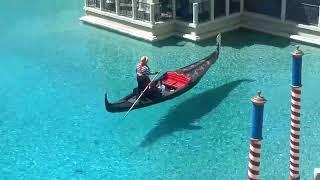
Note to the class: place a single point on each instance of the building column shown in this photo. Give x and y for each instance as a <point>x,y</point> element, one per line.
<point>195,14</point>
<point>283,10</point>
<point>117,6</point>
<point>101,3</point>
<point>134,9</point>
<point>227,7</point>
<point>241,6</point>
<point>152,21</point>
<point>174,11</point>
<point>319,18</point>
<point>85,3</point>
<point>211,10</point>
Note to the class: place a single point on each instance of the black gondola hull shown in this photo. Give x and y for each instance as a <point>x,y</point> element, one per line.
<point>125,106</point>
<point>194,72</point>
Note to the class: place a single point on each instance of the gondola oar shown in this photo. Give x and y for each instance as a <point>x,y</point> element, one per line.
<point>141,95</point>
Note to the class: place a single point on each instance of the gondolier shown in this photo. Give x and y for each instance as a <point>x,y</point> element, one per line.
<point>143,71</point>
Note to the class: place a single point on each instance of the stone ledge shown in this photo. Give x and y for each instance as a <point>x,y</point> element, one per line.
<point>284,29</point>
<point>126,29</point>
<point>317,174</point>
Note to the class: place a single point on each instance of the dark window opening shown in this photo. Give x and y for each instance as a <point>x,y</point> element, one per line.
<point>266,7</point>
<point>303,11</point>
<point>234,6</point>
<point>184,10</point>
<point>204,11</point>
<point>219,8</point>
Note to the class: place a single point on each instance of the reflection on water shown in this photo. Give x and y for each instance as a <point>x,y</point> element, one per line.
<point>182,116</point>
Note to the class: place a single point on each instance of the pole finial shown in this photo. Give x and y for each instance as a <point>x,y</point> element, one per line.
<point>259,93</point>
<point>258,99</point>
<point>297,52</point>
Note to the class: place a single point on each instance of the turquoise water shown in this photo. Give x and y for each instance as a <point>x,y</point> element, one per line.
<point>54,72</point>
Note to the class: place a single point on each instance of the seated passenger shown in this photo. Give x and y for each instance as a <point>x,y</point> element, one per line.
<point>153,91</point>
<point>161,87</point>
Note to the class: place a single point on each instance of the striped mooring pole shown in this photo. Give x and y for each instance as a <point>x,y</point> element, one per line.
<point>256,137</point>
<point>295,114</point>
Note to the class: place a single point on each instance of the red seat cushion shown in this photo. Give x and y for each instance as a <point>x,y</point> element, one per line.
<point>169,82</point>
<point>176,80</point>
<point>179,85</point>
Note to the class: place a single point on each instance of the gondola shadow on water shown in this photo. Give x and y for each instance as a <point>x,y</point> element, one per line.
<point>183,115</point>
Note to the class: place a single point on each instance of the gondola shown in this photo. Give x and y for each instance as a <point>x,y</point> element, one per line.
<point>176,83</point>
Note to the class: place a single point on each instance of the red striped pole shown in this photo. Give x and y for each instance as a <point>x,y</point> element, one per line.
<point>256,137</point>
<point>254,162</point>
<point>295,133</point>
<point>295,115</point>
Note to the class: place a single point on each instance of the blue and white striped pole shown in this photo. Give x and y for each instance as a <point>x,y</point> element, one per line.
<point>295,114</point>
<point>256,137</point>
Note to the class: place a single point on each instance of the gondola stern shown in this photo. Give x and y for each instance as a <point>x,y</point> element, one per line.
<point>107,103</point>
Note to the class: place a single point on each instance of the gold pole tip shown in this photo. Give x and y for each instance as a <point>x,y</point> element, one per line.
<point>297,52</point>
<point>258,99</point>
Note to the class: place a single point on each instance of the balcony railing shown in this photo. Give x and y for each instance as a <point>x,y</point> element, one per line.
<point>93,3</point>
<point>109,5</point>
<point>143,11</point>
<point>125,8</point>
<point>163,11</point>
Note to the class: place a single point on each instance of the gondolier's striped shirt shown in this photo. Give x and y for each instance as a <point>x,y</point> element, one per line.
<point>143,70</point>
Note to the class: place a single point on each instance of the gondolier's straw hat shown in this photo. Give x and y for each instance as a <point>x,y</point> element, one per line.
<point>144,59</point>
